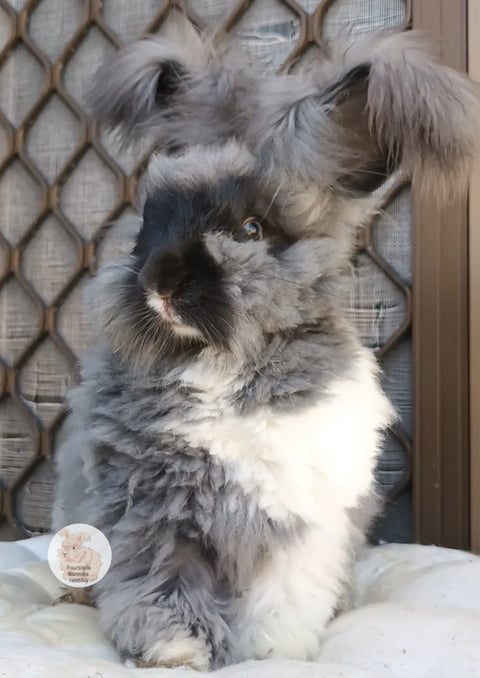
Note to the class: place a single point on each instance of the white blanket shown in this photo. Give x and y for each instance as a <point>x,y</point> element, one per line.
<point>417,616</point>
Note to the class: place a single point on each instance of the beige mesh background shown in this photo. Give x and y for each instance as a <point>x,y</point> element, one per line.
<point>61,186</point>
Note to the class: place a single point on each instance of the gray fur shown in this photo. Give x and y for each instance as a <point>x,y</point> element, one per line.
<point>185,540</point>
<point>293,152</point>
<point>211,82</point>
<point>409,106</point>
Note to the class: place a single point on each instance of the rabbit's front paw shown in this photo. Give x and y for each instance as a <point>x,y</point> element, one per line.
<point>188,651</point>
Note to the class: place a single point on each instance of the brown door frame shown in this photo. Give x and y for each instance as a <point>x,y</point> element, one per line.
<point>474,217</point>
<point>441,479</point>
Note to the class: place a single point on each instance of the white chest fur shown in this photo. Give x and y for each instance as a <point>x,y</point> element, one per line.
<point>305,462</point>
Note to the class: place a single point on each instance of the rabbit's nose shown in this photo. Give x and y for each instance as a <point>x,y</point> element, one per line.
<point>164,271</point>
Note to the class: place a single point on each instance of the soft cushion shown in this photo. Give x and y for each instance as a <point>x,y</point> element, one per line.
<point>417,615</point>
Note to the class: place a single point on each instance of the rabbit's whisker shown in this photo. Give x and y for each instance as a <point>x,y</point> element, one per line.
<point>270,205</point>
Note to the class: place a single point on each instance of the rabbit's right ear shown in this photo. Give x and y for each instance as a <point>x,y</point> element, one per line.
<point>64,532</point>
<point>181,90</point>
<point>378,105</point>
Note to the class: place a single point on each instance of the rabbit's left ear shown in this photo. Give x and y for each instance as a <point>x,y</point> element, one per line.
<point>128,90</point>
<point>380,105</point>
<point>182,90</point>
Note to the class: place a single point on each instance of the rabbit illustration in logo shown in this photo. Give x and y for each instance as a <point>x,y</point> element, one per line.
<point>225,432</point>
<point>78,562</point>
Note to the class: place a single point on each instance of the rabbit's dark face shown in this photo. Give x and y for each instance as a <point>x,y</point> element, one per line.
<point>196,233</point>
<point>181,279</point>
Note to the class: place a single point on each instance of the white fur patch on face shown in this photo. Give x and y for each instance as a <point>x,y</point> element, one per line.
<point>165,310</point>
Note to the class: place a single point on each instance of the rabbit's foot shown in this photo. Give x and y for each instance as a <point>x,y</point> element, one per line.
<point>189,652</point>
<point>76,596</point>
<point>284,612</point>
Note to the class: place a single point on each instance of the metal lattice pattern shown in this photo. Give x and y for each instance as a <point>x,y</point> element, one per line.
<point>50,243</point>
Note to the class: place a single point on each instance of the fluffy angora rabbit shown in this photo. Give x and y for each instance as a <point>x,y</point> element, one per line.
<point>226,429</point>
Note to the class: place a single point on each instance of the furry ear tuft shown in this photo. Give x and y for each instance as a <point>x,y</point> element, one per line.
<point>140,80</point>
<point>378,104</point>
<point>174,93</point>
<point>370,160</point>
<point>428,113</point>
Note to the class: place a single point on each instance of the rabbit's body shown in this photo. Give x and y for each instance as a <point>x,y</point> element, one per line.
<point>267,490</point>
<point>225,432</point>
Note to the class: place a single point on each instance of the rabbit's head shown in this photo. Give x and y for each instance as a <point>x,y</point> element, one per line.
<point>259,182</point>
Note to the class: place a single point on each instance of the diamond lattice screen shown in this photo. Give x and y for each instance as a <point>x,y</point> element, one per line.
<point>62,185</point>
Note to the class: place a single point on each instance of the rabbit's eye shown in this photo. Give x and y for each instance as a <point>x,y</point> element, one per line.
<point>252,229</point>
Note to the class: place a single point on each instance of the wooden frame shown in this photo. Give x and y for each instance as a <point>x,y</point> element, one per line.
<point>474,247</point>
<point>441,479</point>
